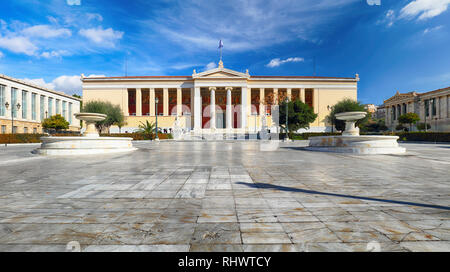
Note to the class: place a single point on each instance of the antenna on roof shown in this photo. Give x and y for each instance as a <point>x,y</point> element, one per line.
<point>126,64</point>
<point>314,63</point>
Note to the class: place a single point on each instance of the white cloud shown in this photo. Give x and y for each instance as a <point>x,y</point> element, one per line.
<point>432,29</point>
<point>105,37</point>
<point>424,8</point>
<point>277,61</point>
<point>73,2</point>
<point>18,45</point>
<point>46,31</point>
<point>94,16</point>
<point>54,54</point>
<point>1,55</point>
<point>67,84</point>
<point>254,24</point>
<point>210,66</point>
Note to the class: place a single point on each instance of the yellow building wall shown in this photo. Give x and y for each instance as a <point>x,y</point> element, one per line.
<point>329,97</point>
<point>116,97</point>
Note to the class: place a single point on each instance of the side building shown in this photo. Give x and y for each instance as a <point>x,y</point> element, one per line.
<point>218,100</point>
<point>432,107</point>
<point>35,104</point>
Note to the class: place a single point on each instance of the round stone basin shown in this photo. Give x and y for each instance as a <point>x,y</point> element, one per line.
<point>356,144</point>
<point>351,116</point>
<point>84,145</point>
<point>90,117</point>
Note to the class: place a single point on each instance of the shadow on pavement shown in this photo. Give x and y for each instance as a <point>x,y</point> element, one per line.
<point>296,190</point>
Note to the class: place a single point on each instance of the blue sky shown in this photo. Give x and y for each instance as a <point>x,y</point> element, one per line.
<point>393,45</point>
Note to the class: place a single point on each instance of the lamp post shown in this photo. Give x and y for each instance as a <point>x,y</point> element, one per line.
<point>156,125</point>
<point>287,117</point>
<point>12,117</point>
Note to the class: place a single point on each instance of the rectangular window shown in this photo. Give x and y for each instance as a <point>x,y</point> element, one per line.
<point>145,102</point>
<point>41,107</point>
<point>255,101</point>
<point>427,108</point>
<point>433,107</point>
<point>33,106</point>
<point>132,102</point>
<point>24,104</point>
<point>34,130</point>
<point>14,102</point>
<point>160,106</point>
<point>309,97</point>
<point>295,94</point>
<point>2,100</point>
<point>25,130</point>
<point>50,106</point>
<point>186,102</point>
<point>64,109</point>
<point>3,129</point>
<point>70,114</point>
<point>172,102</point>
<point>14,129</point>
<point>58,106</point>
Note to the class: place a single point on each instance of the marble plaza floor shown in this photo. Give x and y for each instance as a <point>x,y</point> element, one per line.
<point>226,196</point>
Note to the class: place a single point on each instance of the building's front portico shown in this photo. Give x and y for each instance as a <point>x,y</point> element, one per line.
<point>217,101</point>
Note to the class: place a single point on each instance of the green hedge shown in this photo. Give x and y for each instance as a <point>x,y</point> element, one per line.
<point>20,138</point>
<point>35,138</point>
<point>423,136</point>
<point>139,136</point>
<point>403,136</point>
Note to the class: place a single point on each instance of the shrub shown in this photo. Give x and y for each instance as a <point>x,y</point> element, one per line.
<point>56,122</point>
<point>20,138</point>
<point>421,126</point>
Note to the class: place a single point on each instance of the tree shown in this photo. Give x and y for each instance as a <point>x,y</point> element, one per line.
<point>113,113</point>
<point>374,125</point>
<point>401,127</point>
<point>300,115</point>
<point>147,129</point>
<point>56,122</point>
<point>409,118</point>
<point>121,124</point>
<point>346,105</point>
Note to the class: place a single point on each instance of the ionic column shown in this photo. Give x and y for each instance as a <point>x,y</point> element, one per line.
<point>289,94</point>
<point>244,107</point>
<point>228,110</point>
<point>152,102</point>
<point>197,110</point>
<point>212,107</point>
<point>275,96</point>
<point>166,102</point>
<point>179,101</point>
<point>9,100</point>
<point>262,97</point>
<point>138,102</point>
<point>125,103</point>
<point>302,95</point>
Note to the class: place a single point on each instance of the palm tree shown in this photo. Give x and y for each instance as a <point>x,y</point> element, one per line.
<point>147,129</point>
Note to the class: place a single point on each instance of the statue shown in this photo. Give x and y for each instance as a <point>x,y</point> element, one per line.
<point>263,134</point>
<point>177,131</point>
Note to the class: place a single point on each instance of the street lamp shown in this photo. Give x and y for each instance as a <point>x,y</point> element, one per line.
<point>156,125</point>
<point>12,115</point>
<point>286,100</point>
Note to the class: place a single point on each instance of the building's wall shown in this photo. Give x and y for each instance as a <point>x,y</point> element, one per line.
<point>325,94</point>
<point>27,121</point>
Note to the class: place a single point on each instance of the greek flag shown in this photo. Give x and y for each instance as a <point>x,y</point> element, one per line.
<point>220,44</point>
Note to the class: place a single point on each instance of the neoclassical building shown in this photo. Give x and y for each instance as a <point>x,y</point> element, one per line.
<point>27,105</point>
<point>432,107</point>
<point>218,100</point>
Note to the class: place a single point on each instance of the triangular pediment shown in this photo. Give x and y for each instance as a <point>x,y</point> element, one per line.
<point>221,72</point>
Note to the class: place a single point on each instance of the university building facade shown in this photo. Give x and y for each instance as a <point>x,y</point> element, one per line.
<point>432,107</point>
<point>218,100</point>
<point>35,104</point>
